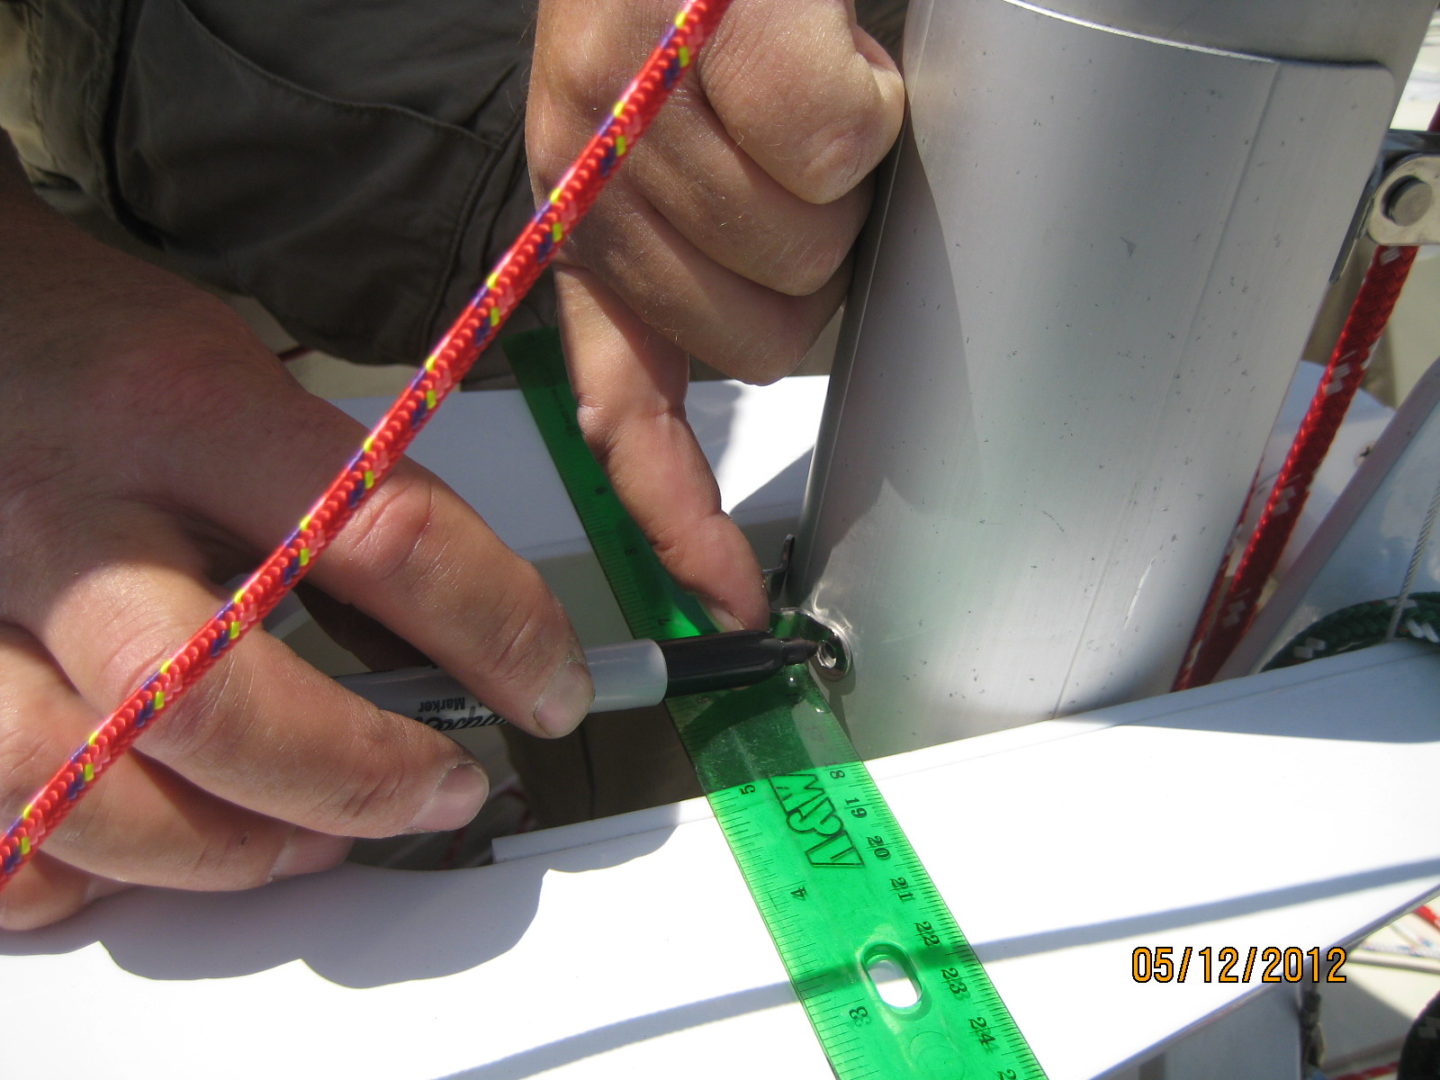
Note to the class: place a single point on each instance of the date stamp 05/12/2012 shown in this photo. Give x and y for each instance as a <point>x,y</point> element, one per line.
<point>1228,964</point>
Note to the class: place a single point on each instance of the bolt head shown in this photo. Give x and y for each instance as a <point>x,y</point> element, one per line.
<point>1408,201</point>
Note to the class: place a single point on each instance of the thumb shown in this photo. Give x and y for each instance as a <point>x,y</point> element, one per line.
<point>809,95</point>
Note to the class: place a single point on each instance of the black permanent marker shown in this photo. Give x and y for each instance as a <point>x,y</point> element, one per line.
<point>627,676</point>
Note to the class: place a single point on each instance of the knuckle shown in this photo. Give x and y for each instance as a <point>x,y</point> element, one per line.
<point>843,153</point>
<point>671,540</point>
<point>603,426</point>
<point>31,493</point>
<point>520,642</point>
<point>27,906</point>
<point>16,917</point>
<point>595,422</point>
<point>806,264</point>
<point>211,724</point>
<point>24,757</point>
<point>124,642</point>
<point>376,795</point>
<point>33,521</point>
<point>781,241</point>
<point>755,372</point>
<point>565,102</point>
<point>232,858</point>
<point>395,531</point>
<point>770,350</point>
<point>544,143</point>
<point>371,780</point>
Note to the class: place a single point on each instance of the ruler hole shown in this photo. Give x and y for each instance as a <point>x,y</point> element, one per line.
<point>889,972</point>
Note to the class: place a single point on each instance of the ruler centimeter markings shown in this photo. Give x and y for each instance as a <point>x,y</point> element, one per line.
<point>890,984</point>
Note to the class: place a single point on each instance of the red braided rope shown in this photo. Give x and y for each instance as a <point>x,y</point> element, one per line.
<point>456,351</point>
<point>1369,313</point>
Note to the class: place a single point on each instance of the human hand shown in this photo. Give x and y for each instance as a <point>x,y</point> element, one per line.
<point>726,235</point>
<point>153,448</point>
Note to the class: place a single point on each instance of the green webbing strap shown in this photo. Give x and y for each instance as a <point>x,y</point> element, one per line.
<point>844,896</point>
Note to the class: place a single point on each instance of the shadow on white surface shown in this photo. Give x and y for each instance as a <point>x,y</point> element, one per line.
<point>628,1032</point>
<point>357,926</point>
<point>1183,918</point>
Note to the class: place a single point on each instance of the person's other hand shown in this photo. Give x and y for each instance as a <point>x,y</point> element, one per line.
<point>153,448</point>
<point>726,235</point>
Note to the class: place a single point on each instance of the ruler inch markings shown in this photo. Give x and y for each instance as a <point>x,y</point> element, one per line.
<point>796,806</point>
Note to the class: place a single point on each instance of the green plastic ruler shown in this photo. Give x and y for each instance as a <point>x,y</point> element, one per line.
<point>890,984</point>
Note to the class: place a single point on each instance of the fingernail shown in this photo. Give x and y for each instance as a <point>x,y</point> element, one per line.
<point>721,617</point>
<point>307,852</point>
<point>456,801</point>
<point>566,698</point>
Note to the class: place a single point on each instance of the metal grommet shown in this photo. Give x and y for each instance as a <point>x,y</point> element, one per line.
<point>832,657</point>
<point>832,652</point>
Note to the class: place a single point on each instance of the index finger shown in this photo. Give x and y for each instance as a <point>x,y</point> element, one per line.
<point>630,384</point>
<point>415,556</point>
